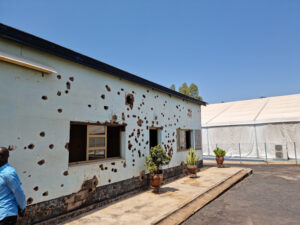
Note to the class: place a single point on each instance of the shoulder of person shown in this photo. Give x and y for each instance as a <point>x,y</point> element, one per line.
<point>10,170</point>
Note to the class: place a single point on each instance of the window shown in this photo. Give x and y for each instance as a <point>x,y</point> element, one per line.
<point>184,139</point>
<point>188,139</point>
<point>94,142</point>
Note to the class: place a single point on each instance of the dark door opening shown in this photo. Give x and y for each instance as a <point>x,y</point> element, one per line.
<point>153,138</point>
<point>188,139</point>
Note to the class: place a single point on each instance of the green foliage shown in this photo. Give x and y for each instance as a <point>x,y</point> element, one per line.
<point>191,159</point>
<point>173,87</point>
<point>191,90</point>
<point>156,159</point>
<point>219,152</point>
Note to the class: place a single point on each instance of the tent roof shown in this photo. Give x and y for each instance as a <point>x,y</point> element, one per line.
<point>255,111</point>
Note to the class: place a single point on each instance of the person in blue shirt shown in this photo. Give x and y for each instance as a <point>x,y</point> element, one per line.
<point>12,198</point>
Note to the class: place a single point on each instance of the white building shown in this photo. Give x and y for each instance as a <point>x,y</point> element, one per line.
<point>82,128</point>
<point>259,128</point>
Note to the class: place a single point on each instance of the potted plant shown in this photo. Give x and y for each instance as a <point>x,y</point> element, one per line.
<point>220,153</point>
<point>191,161</point>
<point>154,162</point>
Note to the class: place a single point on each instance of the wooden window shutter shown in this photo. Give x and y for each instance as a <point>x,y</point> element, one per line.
<point>180,140</point>
<point>198,139</point>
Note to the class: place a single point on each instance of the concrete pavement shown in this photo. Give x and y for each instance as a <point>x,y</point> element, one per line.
<point>175,202</point>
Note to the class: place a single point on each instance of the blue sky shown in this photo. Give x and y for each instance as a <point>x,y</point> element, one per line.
<point>232,49</point>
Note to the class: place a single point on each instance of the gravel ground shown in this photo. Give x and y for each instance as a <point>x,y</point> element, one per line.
<point>271,195</point>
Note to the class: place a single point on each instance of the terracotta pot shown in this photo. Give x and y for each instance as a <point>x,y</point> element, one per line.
<point>192,170</point>
<point>220,160</point>
<point>156,180</point>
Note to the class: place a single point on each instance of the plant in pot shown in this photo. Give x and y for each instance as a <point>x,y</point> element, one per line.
<point>191,161</point>
<point>154,162</point>
<point>220,153</point>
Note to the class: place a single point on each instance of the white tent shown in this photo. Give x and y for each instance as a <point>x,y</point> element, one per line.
<point>260,128</point>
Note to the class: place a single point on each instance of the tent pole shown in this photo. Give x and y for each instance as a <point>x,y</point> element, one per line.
<point>266,152</point>
<point>240,153</point>
<point>295,153</point>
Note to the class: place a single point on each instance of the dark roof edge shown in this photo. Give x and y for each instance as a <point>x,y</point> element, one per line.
<point>57,50</point>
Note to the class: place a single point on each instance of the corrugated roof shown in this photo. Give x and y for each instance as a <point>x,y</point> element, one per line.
<point>257,111</point>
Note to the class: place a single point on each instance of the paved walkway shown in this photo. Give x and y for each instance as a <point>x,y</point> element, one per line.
<point>149,208</point>
<point>269,196</point>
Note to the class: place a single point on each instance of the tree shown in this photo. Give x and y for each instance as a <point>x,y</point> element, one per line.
<point>184,89</point>
<point>173,87</point>
<point>191,90</point>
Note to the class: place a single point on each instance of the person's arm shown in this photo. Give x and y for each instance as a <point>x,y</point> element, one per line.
<point>13,182</point>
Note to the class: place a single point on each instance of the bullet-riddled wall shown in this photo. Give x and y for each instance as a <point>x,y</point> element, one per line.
<point>36,111</point>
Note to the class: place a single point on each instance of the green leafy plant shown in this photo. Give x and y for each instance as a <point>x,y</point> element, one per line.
<point>156,159</point>
<point>191,158</point>
<point>219,152</point>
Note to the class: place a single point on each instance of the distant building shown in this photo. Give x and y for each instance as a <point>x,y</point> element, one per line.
<point>260,128</point>
<point>82,128</point>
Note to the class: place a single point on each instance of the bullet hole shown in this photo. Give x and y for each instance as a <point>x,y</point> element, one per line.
<point>139,152</point>
<point>51,146</point>
<point>89,106</point>
<point>31,146</point>
<point>25,147</point>
<point>68,85</point>
<point>133,160</point>
<point>58,93</point>
<point>107,87</point>
<point>66,91</point>
<point>112,169</point>
<point>115,170</point>
<point>147,142</point>
<point>134,116</point>
<point>124,164</point>
<point>59,110</point>
<point>148,91</point>
<point>29,175</point>
<point>109,180</point>
<point>133,164</point>
<point>29,201</point>
<point>101,166</point>
<point>123,116</point>
<point>147,121</point>
<point>71,79</point>
<point>122,89</point>
<point>129,99</point>
<point>36,188</point>
<point>61,185</point>
<point>44,97</point>
<point>105,168</point>
<point>42,134</point>
<point>106,107</point>
<point>67,146</point>
<point>103,96</point>
<point>140,122</point>
<point>118,93</point>
<point>41,162</point>
<point>129,146</point>
<point>45,193</point>
<point>144,96</point>
<point>151,108</point>
<point>113,163</point>
<point>66,173</point>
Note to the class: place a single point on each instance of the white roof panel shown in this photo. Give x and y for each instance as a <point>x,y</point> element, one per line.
<point>256,111</point>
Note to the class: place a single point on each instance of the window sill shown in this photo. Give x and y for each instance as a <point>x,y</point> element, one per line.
<point>109,160</point>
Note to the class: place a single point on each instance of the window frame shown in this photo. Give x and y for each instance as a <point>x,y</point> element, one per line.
<point>106,143</point>
<point>178,130</point>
